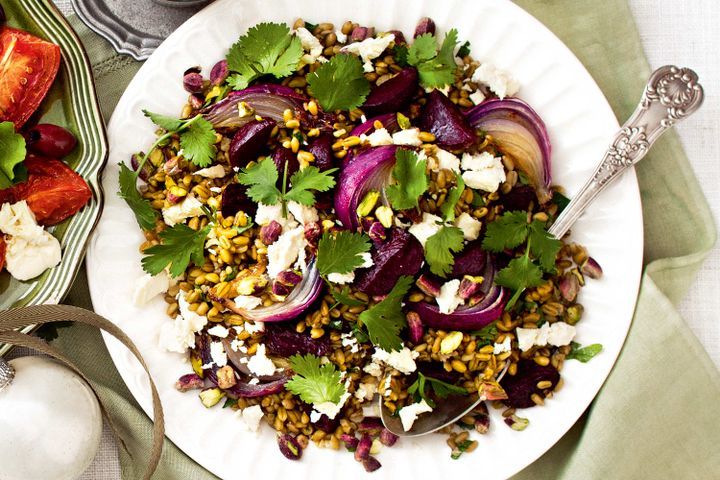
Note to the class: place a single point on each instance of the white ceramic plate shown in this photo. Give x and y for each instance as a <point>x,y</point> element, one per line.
<point>580,124</point>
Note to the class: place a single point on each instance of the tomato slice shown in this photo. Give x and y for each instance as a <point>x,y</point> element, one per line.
<point>28,66</point>
<point>3,249</point>
<point>53,190</point>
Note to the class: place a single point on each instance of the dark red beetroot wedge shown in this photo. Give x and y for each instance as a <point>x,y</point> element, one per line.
<point>394,94</point>
<point>444,120</point>
<point>523,384</point>
<point>321,148</point>
<point>401,254</point>
<point>234,199</point>
<point>249,141</point>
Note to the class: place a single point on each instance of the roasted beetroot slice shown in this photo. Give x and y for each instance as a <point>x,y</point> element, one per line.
<point>471,261</point>
<point>401,254</point>
<point>523,384</point>
<point>284,342</point>
<point>249,141</point>
<point>234,199</point>
<point>519,198</point>
<point>283,156</point>
<point>444,120</point>
<point>394,94</point>
<point>321,148</point>
<point>326,424</point>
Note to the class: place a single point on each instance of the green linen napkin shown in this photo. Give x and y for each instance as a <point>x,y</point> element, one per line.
<point>657,415</point>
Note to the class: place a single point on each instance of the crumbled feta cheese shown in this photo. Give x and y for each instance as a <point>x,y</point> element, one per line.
<point>367,260</point>
<point>369,49</point>
<point>499,81</point>
<point>561,334</point>
<point>349,340</point>
<point>216,189</point>
<point>236,344</point>
<point>408,414</point>
<point>377,138</point>
<point>476,97</point>
<point>483,171</point>
<point>448,300</point>
<point>260,364</point>
<point>410,136</point>
<point>218,355</point>
<point>267,213</point>
<point>447,160</point>
<point>302,213</point>
<point>328,408</point>
<point>526,338</point>
<point>219,331</point>
<point>374,368</point>
<point>30,250</point>
<point>341,37</point>
<point>403,361</point>
<point>557,334</point>
<point>179,335</point>
<point>341,278</point>
<point>469,226</point>
<point>254,327</point>
<point>311,44</point>
<point>505,346</point>
<point>365,391</point>
<point>251,417</point>
<point>429,226</point>
<point>149,286</point>
<point>216,171</point>
<point>542,336</point>
<point>188,208</point>
<point>247,302</point>
<point>285,251</point>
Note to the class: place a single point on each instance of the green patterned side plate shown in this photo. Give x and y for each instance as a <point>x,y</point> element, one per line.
<point>73,104</point>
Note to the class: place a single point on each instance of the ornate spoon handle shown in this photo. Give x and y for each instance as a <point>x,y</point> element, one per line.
<point>670,95</point>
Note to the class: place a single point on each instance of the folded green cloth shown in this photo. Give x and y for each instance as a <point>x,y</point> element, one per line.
<point>657,415</point>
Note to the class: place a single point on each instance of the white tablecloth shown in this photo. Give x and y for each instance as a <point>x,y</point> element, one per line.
<point>681,33</point>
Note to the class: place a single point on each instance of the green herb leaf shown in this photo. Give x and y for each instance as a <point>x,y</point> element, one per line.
<point>464,50</point>
<point>314,382</point>
<point>521,273</point>
<point>409,173</point>
<point>145,215</point>
<point>441,389</point>
<point>448,207</point>
<point>560,200</point>
<point>424,48</point>
<point>583,354</point>
<point>438,249</point>
<point>307,179</point>
<point>261,178</point>
<point>230,403</point>
<point>435,68</point>
<point>339,84</point>
<point>341,253</point>
<point>180,245</point>
<point>385,320</point>
<point>198,142</point>
<point>266,49</point>
<point>486,335</point>
<point>508,231</point>
<point>310,26</point>
<point>345,297</point>
<point>400,54</point>
<point>163,121</point>
<point>12,155</point>
<point>543,245</point>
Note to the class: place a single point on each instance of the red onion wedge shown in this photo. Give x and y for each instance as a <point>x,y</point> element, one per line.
<point>247,390</point>
<point>520,133</point>
<point>465,318</point>
<point>268,100</point>
<point>370,169</point>
<point>389,121</point>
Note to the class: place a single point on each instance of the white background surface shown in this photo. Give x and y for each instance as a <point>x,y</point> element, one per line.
<point>682,33</point>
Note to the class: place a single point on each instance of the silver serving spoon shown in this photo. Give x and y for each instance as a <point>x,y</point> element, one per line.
<point>670,95</point>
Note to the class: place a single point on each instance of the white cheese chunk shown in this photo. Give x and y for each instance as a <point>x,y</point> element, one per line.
<point>349,340</point>
<point>448,300</point>
<point>477,97</point>
<point>429,226</point>
<point>179,335</point>
<point>369,49</point>
<point>410,413</point>
<point>328,408</point>
<point>285,251</point>
<point>251,417</point>
<point>469,226</point>
<point>403,360</point>
<point>526,338</point>
<point>302,213</point>
<point>410,136</point>
<point>341,37</point>
<point>254,327</point>
<point>217,353</point>
<point>447,160</point>
<point>483,171</point>
<point>499,81</point>
<point>377,138</point>
<point>505,346</point>
<point>374,368</point>
<point>365,391</point>
<point>247,302</point>
<point>557,334</point>
<point>561,334</point>
<point>341,278</point>
<point>260,364</point>
<point>216,171</point>
<point>188,208</point>
<point>219,331</point>
<point>267,213</point>
<point>310,44</point>
<point>149,286</point>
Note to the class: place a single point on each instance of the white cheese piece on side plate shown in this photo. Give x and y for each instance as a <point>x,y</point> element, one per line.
<point>499,81</point>
<point>369,49</point>
<point>179,335</point>
<point>188,208</point>
<point>448,300</point>
<point>403,360</point>
<point>149,286</point>
<point>409,413</point>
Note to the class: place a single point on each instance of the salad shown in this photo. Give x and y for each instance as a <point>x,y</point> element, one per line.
<point>341,218</point>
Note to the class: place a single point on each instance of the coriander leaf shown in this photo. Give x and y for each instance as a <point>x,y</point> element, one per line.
<point>180,245</point>
<point>385,320</point>
<point>345,297</point>
<point>464,50</point>
<point>508,231</point>
<point>543,245</point>
<point>341,253</point>
<point>12,155</point>
<point>584,354</point>
<point>198,142</point>
<point>436,69</point>
<point>448,207</point>
<point>309,178</point>
<point>400,53</point>
<point>423,49</point>
<point>477,200</point>
<point>441,389</point>
<point>144,213</point>
<point>486,335</point>
<point>444,390</point>
<point>560,200</point>
<point>446,55</point>
<point>313,382</point>
<point>266,49</point>
<point>163,121</point>
<point>439,246</point>
<point>339,84</point>
<point>261,178</point>
<point>409,173</point>
<point>520,274</point>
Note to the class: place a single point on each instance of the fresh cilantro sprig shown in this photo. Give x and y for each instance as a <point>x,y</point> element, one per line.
<point>448,207</point>
<point>419,389</point>
<point>521,273</point>
<point>438,249</point>
<point>12,148</point>
<point>583,354</point>
<point>436,68</point>
<point>262,178</point>
<point>179,246</point>
<point>344,297</point>
<point>385,320</point>
<point>339,84</point>
<point>266,49</point>
<point>411,180</point>
<point>341,253</point>
<point>313,382</point>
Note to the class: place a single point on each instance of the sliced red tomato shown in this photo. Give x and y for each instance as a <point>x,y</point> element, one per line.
<point>28,66</point>
<point>53,190</point>
<point>3,249</point>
